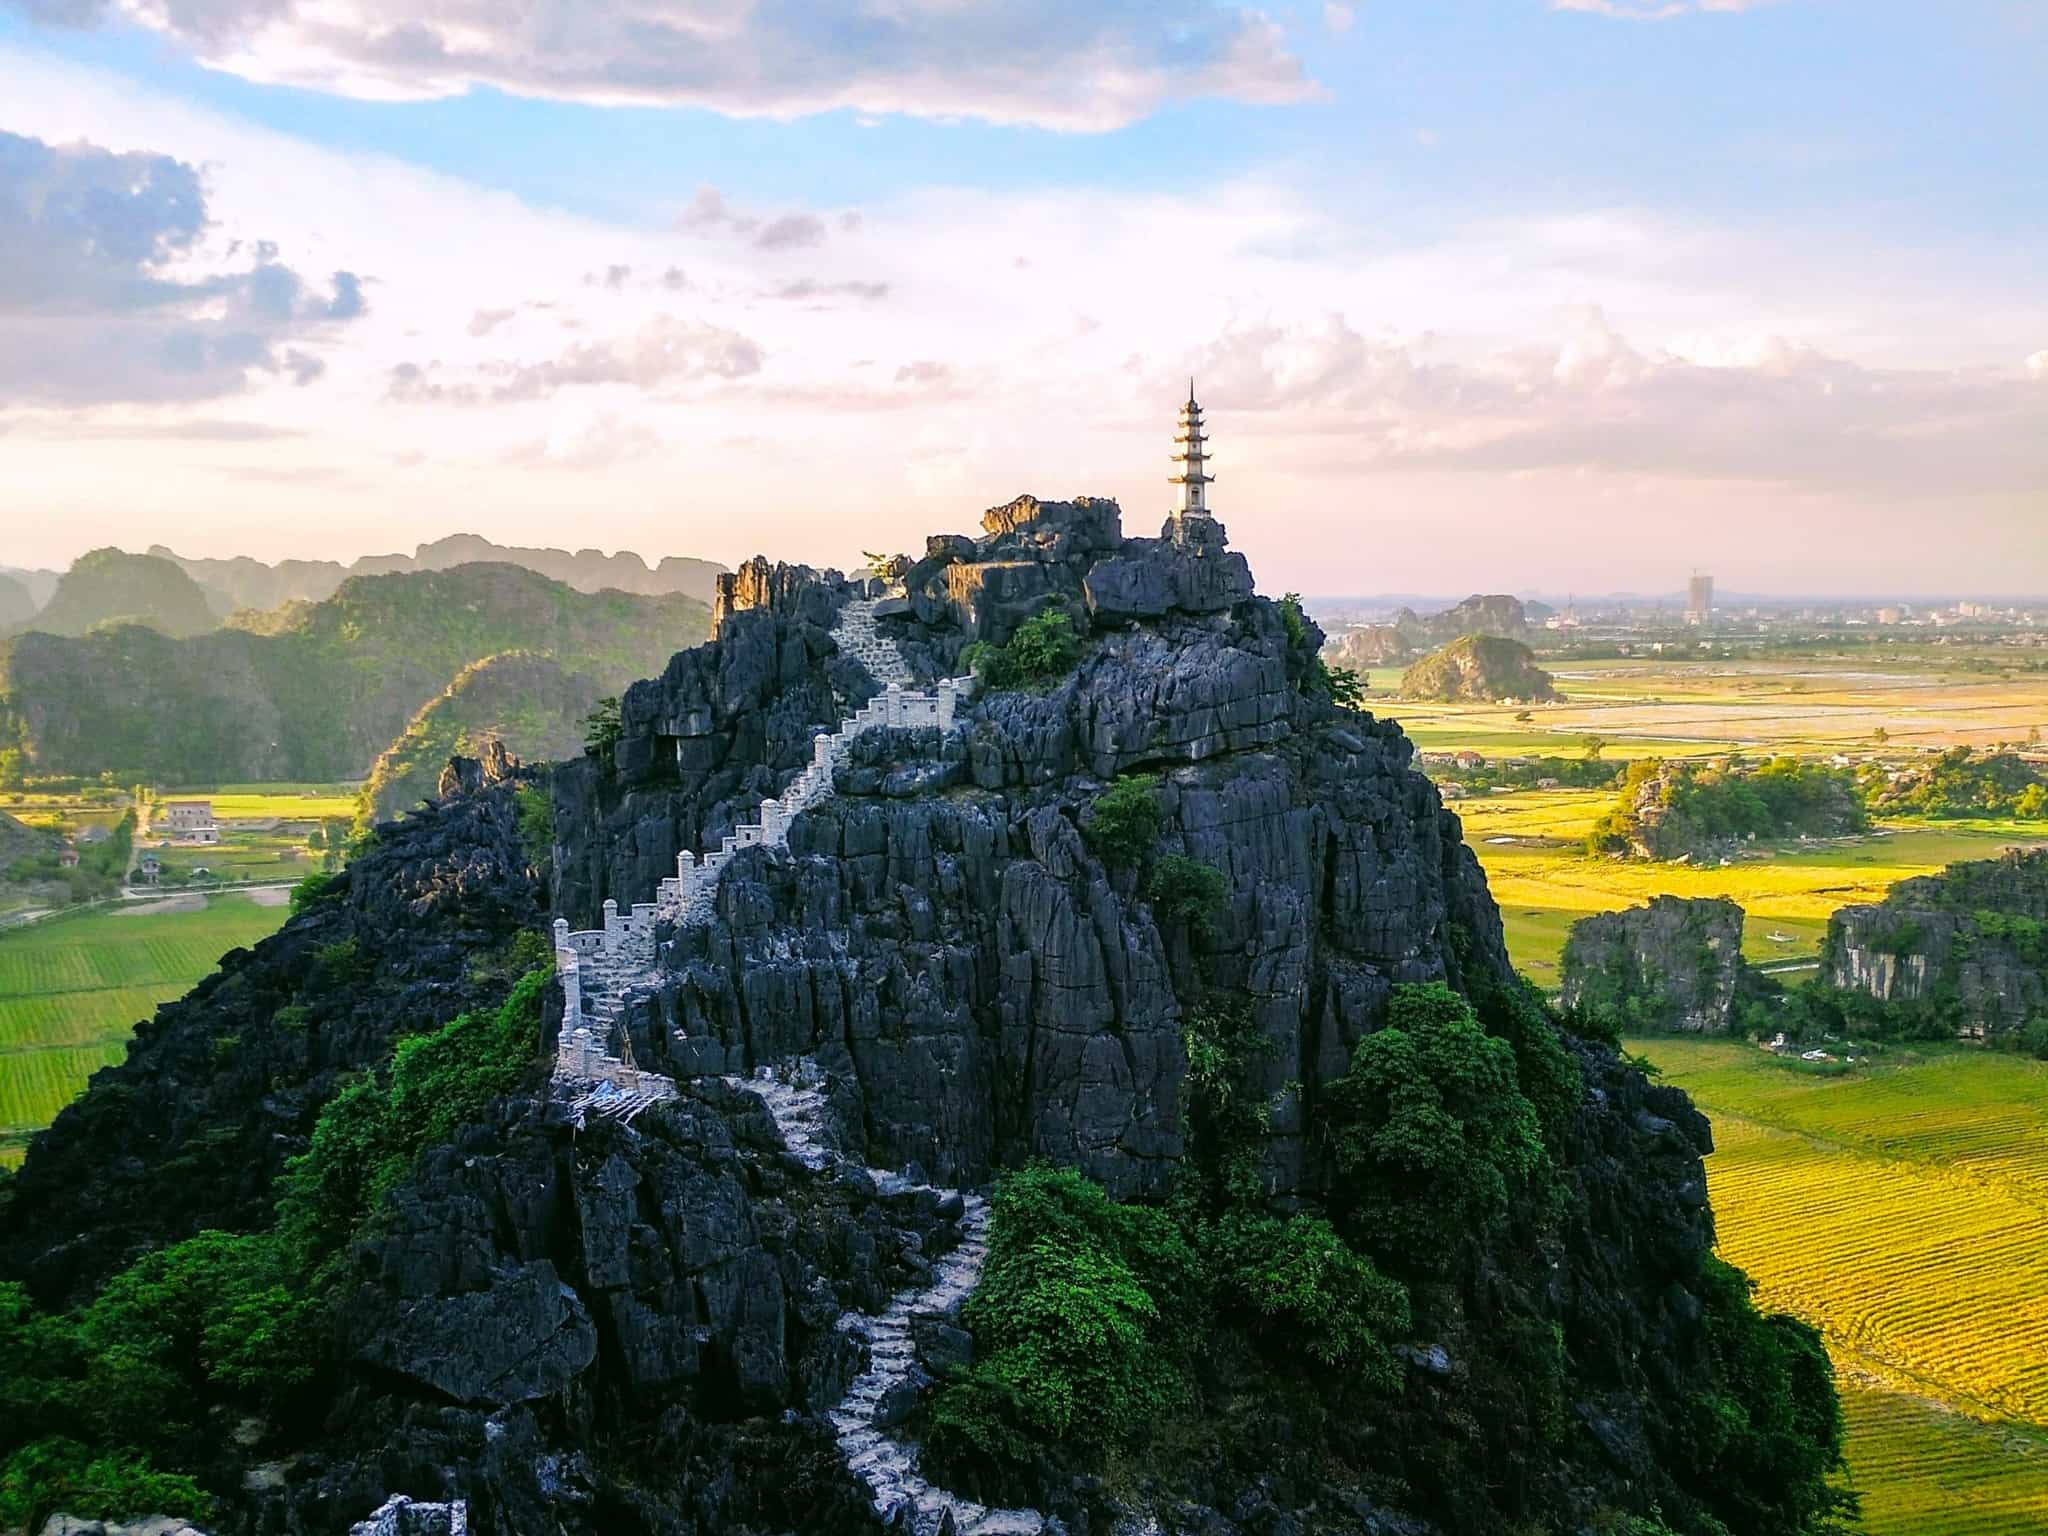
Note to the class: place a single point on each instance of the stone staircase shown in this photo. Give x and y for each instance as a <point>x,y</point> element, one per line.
<point>901,1496</point>
<point>599,967</point>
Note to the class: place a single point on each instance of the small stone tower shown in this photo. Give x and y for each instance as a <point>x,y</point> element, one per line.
<point>1191,459</point>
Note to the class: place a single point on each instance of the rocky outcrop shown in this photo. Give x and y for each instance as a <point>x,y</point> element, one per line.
<point>1967,948</point>
<point>1674,964</point>
<point>981,988</point>
<point>719,1316</point>
<point>1479,669</point>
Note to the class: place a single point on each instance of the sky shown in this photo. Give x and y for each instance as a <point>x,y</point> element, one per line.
<point>1478,294</point>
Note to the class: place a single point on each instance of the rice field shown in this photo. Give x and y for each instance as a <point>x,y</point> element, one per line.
<point>1902,1208</point>
<point>1645,706</point>
<point>73,989</point>
<point>1529,844</point>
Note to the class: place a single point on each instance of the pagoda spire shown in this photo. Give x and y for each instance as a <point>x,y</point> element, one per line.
<point>1191,460</point>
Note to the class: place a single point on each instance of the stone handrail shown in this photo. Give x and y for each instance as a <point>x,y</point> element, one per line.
<point>595,963</point>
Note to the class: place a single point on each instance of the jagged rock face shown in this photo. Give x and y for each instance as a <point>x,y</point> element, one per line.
<point>940,936</point>
<point>1967,944</point>
<point>1673,964</point>
<point>222,1086</point>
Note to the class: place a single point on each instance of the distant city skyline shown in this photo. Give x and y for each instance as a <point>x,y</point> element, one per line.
<point>1504,295</point>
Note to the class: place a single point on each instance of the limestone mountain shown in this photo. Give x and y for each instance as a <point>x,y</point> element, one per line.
<point>312,691</point>
<point>1674,963</point>
<point>17,604</point>
<point>245,583</point>
<point>1409,633</point>
<point>1962,952</point>
<point>111,587</point>
<point>525,701</point>
<point>1307,1215</point>
<point>1479,669</point>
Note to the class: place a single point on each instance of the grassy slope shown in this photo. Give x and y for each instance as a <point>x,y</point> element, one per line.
<point>1901,1209</point>
<point>72,989</point>
<point>313,690</point>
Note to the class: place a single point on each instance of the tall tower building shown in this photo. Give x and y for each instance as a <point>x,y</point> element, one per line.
<point>1699,600</point>
<point>1191,460</point>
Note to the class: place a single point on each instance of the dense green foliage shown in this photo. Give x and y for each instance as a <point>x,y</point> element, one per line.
<point>1763,1444</point>
<point>1531,773</point>
<point>1186,890</point>
<point>1430,1134</point>
<point>603,729</point>
<point>109,586</point>
<point>93,1406</point>
<point>536,822</point>
<point>369,1133</point>
<point>312,691</point>
<point>1043,650</point>
<point>1960,782</point>
<point>1670,809</point>
<point>1311,1291</point>
<point>1480,669</point>
<point>1079,1324</point>
<point>1123,821</point>
<point>102,866</point>
<point>529,702</point>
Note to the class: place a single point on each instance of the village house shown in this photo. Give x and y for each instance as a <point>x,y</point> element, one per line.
<point>190,821</point>
<point>67,857</point>
<point>150,870</point>
<point>1469,760</point>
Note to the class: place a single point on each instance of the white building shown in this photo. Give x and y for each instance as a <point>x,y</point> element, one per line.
<point>189,821</point>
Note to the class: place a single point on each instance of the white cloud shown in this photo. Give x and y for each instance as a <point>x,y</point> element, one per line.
<point>115,285</point>
<point>1085,65</point>
<point>1383,410</point>
<point>1656,10</point>
<point>1339,16</point>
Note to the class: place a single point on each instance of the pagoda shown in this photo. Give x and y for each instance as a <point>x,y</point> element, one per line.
<point>1191,459</point>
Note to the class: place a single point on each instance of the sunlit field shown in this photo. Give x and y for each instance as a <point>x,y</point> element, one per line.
<point>1902,1208</point>
<point>72,990</point>
<point>1644,707</point>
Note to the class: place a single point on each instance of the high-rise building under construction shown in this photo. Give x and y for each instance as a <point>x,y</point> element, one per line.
<point>1699,600</point>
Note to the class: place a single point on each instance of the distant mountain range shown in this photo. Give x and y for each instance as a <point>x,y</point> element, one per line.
<point>315,690</point>
<point>229,585</point>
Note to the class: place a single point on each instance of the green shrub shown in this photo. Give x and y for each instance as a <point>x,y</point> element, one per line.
<point>1185,890</point>
<point>1080,1323</point>
<point>603,729</point>
<point>316,890</point>
<point>1226,1120</point>
<point>1042,650</point>
<point>1123,821</point>
<point>46,1476</point>
<point>1760,1447</point>
<point>1308,1289</point>
<point>1430,1133</point>
<point>368,1135</point>
<point>536,807</point>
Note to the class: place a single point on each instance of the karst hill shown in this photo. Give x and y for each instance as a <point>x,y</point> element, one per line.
<point>1077,1085</point>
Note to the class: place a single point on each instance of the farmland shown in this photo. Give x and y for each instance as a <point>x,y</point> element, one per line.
<point>1898,1207</point>
<point>72,989</point>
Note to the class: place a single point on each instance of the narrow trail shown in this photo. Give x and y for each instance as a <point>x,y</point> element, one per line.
<point>602,968</point>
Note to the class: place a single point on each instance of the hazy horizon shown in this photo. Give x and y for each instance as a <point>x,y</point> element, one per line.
<point>1526,294</point>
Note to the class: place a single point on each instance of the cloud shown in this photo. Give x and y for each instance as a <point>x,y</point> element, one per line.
<point>923,372</point>
<point>109,293</point>
<point>1761,409</point>
<point>1654,10</point>
<point>1083,65</point>
<point>1339,17</point>
<point>806,289</point>
<point>709,213</point>
<point>662,352</point>
<point>485,321</point>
